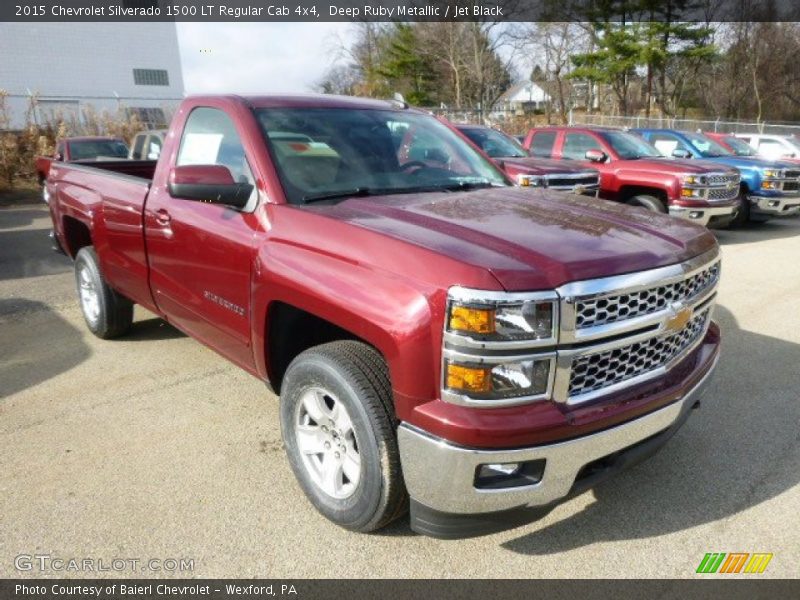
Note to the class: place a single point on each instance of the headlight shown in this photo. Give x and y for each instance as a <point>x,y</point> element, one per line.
<point>481,328</point>
<point>486,319</point>
<point>695,179</point>
<point>530,181</point>
<point>772,173</point>
<point>489,384</point>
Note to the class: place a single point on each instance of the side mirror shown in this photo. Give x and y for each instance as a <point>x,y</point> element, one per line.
<point>681,153</point>
<point>208,183</point>
<point>57,157</point>
<point>596,156</point>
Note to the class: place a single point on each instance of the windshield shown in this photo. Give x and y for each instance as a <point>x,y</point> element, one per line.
<point>324,153</point>
<point>629,146</point>
<point>739,147</point>
<point>707,147</point>
<point>495,143</point>
<point>794,143</point>
<point>87,149</point>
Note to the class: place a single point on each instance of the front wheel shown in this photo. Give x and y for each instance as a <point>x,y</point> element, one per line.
<point>649,202</point>
<point>339,434</point>
<point>107,314</point>
<point>743,215</point>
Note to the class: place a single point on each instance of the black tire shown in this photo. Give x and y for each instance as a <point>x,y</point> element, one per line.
<point>649,202</point>
<point>743,215</point>
<point>356,375</point>
<point>112,315</point>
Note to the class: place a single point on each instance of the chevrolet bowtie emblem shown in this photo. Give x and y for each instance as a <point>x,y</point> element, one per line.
<point>681,316</point>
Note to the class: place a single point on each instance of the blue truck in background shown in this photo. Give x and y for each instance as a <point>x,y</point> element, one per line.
<point>768,188</point>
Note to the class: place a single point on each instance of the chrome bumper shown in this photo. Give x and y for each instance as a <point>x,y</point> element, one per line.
<point>703,214</point>
<point>441,476</point>
<point>780,206</point>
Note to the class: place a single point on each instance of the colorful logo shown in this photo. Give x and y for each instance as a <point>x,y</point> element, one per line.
<point>734,562</point>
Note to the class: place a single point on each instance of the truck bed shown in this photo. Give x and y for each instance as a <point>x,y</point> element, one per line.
<point>117,190</point>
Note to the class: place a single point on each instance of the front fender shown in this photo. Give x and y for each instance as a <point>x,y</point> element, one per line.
<point>402,318</point>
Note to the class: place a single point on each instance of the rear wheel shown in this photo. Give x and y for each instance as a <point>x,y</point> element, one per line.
<point>339,432</point>
<point>649,202</point>
<point>107,314</point>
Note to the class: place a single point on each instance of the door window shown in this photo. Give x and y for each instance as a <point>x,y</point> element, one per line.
<point>210,138</point>
<point>772,149</point>
<point>577,144</point>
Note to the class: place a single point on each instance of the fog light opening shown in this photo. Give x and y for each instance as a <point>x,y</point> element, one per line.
<point>494,476</point>
<point>774,203</point>
<point>696,214</point>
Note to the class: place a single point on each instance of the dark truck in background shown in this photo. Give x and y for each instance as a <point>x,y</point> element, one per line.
<point>438,338</point>
<point>529,171</point>
<point>634,172</point>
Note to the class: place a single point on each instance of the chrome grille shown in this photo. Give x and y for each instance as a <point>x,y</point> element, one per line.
<point>792,174</point>
<point>723,193</point>
<point>610,309</point>
<point>790,186</point>
<point>568,183</point>
<point>592,372</point>
<point>723,179</point>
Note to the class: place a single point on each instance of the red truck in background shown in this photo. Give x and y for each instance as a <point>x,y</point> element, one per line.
<point>76,149</point>
<point>438,338</point>
<point>634,172</point>
<point>528,171</point>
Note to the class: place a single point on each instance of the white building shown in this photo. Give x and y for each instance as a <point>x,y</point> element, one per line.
<point>523,95</point>
<point>70,66</point>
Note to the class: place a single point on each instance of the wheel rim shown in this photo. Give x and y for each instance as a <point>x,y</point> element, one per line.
<point>90,301</point>
<point>327,443</point>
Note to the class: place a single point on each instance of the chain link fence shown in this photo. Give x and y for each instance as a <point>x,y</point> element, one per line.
<point>717,125</point>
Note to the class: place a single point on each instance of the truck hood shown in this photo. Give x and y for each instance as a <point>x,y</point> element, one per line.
<point>668,165</point>
<point>530,241</point>
<point>544,166</point>
<point>750,163</point>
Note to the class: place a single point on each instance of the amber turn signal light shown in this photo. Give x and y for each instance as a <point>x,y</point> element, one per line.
<point>474,320</point>
<point>469,379</point>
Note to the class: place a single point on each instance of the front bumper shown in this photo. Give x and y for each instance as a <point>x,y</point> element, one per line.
<point>783,206</point>
<point>705,215</point>
<point>440,476</point>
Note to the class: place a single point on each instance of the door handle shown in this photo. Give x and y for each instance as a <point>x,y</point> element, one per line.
<point>162,217</point>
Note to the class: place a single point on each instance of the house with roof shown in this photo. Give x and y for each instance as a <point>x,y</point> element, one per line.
<point>523,96</point>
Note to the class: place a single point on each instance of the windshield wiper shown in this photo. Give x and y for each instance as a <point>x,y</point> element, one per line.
<point>354,192</point>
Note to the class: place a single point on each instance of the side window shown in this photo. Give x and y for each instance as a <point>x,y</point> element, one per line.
<point>576,145</point>
<point>425,147</point>
<point>667,144</point>
<point>542,144</point>
<point>153,147</point>
<point>138,146</point>
<point>210,138</point>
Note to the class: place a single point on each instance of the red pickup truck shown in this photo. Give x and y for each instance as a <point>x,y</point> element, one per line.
<point>79,148</point>
<point>434,333</point>
<point>634,172</point>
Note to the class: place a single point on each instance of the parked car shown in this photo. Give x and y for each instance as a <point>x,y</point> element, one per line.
<point>768,188</point>
<point>146,145</point>
<point>528,171</point>
<point>773,147</point>
<point>733,144</point>
<point>634,172</point>
<point>79,148</point>
<point>433,331</point>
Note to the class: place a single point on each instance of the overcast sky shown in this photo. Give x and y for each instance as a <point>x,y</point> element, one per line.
<point>257,57</point>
